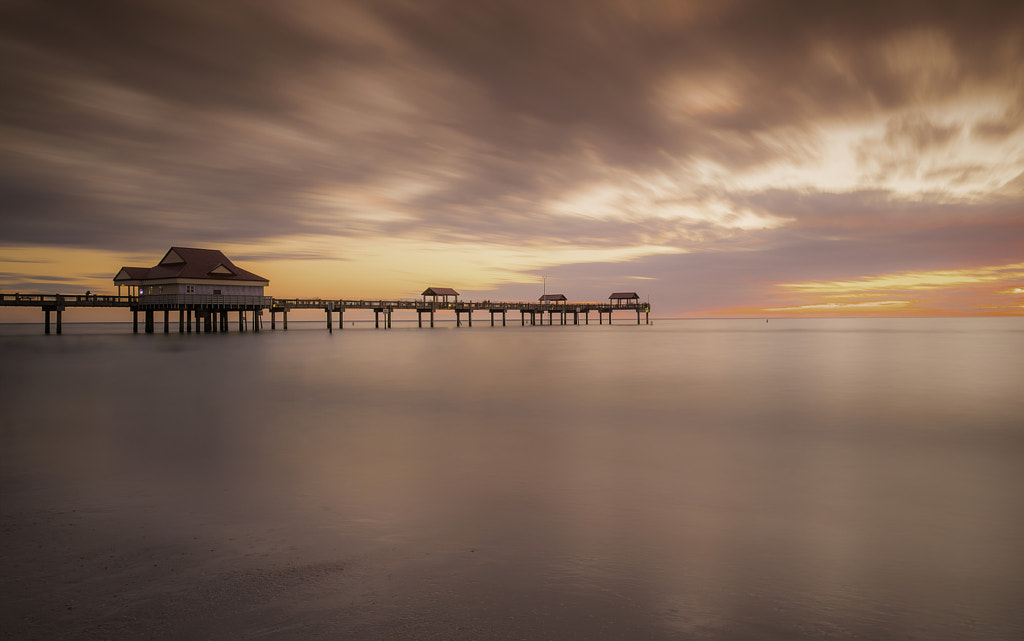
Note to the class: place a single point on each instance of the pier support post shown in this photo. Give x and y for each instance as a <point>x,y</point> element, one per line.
<point>149,321</point>
<point>341,318</point>
<point>431,319</point>
<point>181,320</point>
<point>273,319</point>
<point>135,321</point>
<point>167,321</point>
<point>241,321</point>
<point>376,319</point>
<point>330,323</point>
<point>389,311</point>
<point>58,320</point>
<point>46,325</point>
<point>207,321</point>
<point>284,316</point>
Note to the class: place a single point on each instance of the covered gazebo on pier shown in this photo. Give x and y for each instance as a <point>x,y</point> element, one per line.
<point>441,292</point>
<point>624,299</point>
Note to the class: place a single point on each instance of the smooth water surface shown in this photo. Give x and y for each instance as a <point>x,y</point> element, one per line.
<point>797,479</point>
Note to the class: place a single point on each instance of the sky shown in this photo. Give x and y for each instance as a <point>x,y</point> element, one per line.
<point>727,158</point>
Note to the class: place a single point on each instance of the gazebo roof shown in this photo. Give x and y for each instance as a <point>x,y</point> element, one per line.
<point>553,297</point>
<point>440,291</point>
<point>622,295</point>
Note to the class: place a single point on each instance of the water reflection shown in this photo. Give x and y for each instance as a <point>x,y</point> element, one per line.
<point>787,483</point>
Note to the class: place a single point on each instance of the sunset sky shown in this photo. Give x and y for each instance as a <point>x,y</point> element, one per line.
<point>726,158</point>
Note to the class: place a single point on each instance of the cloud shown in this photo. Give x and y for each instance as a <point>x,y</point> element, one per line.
<point>759,134</point>
<point>911,281</point>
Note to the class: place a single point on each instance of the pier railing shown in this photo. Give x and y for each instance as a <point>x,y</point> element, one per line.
<point>66,300</point>
<point>206,301</point>
<point>463,306</point>
<point>160,301</point>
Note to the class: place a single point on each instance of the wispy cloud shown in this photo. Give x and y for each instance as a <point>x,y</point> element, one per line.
<point>911,281</point>
<point>781,135</point>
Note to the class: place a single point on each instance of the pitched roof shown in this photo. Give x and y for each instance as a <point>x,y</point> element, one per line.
<point>188,262</point>
<point>131,273</point>
<point>558,297</point>
<point>621,295</point>
<point>439,291</point>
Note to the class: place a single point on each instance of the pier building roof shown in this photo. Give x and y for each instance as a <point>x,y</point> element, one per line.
<point>188,263</point>
<point>553,298</point>
<point>439,291</point>
<point>624,296</point>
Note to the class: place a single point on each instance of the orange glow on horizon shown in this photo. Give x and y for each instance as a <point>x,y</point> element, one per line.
<point>980,291</point>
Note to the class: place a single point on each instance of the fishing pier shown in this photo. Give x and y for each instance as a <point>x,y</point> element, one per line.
<point>202,287</point>
<point>213,314</point>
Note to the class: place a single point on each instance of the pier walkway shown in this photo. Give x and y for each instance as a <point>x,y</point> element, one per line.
<point>211,312</point>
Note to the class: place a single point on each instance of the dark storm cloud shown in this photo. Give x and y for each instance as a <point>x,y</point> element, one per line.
<point>129,123</point>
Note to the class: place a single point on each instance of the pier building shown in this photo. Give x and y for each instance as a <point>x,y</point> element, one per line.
<point>200,283</point>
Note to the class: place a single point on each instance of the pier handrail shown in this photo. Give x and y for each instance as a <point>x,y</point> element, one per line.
<point>271,302</point>
<point>67,300</point>
<point>204,300</point>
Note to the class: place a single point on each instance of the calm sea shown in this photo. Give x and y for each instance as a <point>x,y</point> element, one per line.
<point>701,479</point>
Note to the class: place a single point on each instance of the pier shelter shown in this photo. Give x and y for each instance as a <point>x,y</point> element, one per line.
<point>440,292</point>
<point>624,299</point>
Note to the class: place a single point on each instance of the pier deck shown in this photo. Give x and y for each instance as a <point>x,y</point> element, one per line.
<point>211,312</point>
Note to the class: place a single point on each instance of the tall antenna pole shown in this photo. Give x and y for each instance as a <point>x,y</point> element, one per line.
<point>545,285</point>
